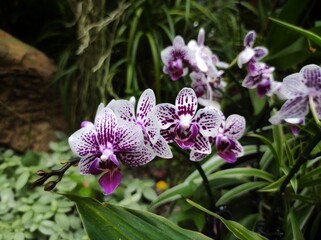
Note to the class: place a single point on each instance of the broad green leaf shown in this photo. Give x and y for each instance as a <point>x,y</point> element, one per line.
<point>308,34</point>
<point>238,191</point>
<point>22,180</point>
<point>237,229</point>
<point>109,221</point>
<point>242,172</point>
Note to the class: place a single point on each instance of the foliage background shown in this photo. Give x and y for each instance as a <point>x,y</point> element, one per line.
<point>111,49</point>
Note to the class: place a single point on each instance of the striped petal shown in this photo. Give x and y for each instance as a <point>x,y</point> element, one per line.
<point>186,102</point>
<point>208,120</point>
<point>127,138</point>
<point>145,104</point>
<point>105,124</point>
<point>166,114</point>
<point>140,156</point>
<point>201,145</point>
<point>234,126</point>
<point>124,112</point>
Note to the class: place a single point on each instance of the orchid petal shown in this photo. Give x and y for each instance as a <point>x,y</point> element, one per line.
<point>251,81</point>
<point>105,124</point>
<point>85,164</point>
<point>292,108</point>
<point>166,114</point>
<point>127,138</point>
<point>201,145</point>
<point>234,126</point>
<point>245,56</point>
<point>162,149</point>
<point>201,37</point>
<point>152,128</point>
<point>110,181</point>
<point>208,120</point>
<point>260,52</point>
<point>201,64</point>
<point>264,87</point>
<point>110,105</point>
<point>124,112</point>
<point>312,76</point>
<point>293,86</point>
<point>83,142</point>
<point>186,102</point>
<point>140,156</point>
<point>94,167</point>
<point>228,149</point>
<point>196,156</point>
<point>168,134</point>
<point>178,42</point>
<point>166,55</point>
<point>145,104</point>
<point>249,39</point>
<point>86,124</point>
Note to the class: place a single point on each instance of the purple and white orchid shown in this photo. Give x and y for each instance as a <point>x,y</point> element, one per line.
<point>301,90</point>
<point>207,79</point>
<point>146,120</point>
<point>250,54</point>
<point>226,140</point>
<point>103,144</point>
<point>177,59</point>
<point>188,128</point>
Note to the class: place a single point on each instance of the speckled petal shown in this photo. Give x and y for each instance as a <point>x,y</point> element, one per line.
<point>162,149</point>
<point>234,126</point>
<point>208,120</point>
<point>166,114</point>
<point>105,124</point>
<point>85,164</point>
<point>186,102</point>
<point>83,142</point>
<point>152,128</point>
<point>127,138</point>
<point>196,156</point>
<point>292,86</point>
<point>312,76</point>
<point>201,145</point>
<point>292,108</point>
<point>140,156</point>
<point>145,104</point>
<point>124,112</point>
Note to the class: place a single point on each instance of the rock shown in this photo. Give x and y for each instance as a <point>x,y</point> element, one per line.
<point>31,112</point>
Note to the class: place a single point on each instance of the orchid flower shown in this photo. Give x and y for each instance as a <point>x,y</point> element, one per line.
<point>249,53</point>
<point>145,119</point>
<point>226,140</point>
<point>177,59</point>
<point>188,128</point>
<point>103,144</point>
<point>301,90</point>
<point>261,78</point>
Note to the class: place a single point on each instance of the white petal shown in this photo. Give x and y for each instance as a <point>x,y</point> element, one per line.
<point>234,126</point>
<point>162,149</point>
<point>166,114</point>
<point>245,56</point>
<point>124,112</point>
<point>186,102</point>
<point>293,86</point>
<point>146,103</point>
<point>208,120</point>
<point>105,125</point>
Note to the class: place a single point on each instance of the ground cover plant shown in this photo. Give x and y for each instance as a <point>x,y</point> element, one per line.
<point>237,133</point>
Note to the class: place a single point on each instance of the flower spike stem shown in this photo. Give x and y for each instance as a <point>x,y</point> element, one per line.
<point>313,111</point>
<point>304,157</point>
<point>44,176</point>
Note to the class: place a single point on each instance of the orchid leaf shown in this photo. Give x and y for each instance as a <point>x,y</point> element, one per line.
<point>110,221</point>
<point>237,229</point>
<point>308,34</point>
<point>238,191</point>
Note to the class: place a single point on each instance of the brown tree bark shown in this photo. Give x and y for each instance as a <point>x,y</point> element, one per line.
<point>30,107</point>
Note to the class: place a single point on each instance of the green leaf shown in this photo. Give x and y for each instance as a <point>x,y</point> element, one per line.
<point>296,231</point>
<point>238,191</point>
<point>109,221</point>
<point>243,172</point>
<point>237,229</point>
<point>273,186</point>
<point>22,180</point>
<point>308,34</point>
